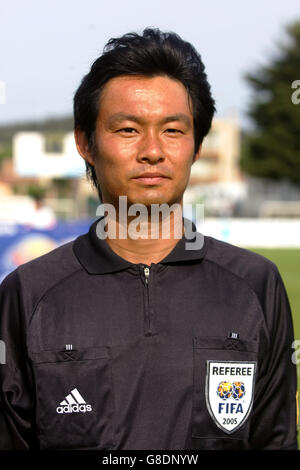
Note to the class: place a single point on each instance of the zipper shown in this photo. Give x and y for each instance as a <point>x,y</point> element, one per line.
<point>146,275</point>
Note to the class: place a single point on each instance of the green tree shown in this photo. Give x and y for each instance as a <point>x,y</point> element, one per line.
<point>272,150</point>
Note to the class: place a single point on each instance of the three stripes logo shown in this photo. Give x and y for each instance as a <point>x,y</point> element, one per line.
<point>73,403</point>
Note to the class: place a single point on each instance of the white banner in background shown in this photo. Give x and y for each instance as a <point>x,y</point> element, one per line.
<point>264,233</point>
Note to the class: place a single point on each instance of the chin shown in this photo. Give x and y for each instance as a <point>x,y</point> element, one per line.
<point>154,200</point>
<point>151,196</point>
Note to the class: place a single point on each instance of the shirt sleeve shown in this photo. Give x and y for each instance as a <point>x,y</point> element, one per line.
<point>16,395</point>
<point>274,418</point>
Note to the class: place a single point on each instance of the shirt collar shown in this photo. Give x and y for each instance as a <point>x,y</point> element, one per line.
<point>96,256</point>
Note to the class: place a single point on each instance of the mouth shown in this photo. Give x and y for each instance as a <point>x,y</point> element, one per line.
<point>150,178</point>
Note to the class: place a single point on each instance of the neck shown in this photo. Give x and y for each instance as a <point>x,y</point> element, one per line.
<point>147,240</point>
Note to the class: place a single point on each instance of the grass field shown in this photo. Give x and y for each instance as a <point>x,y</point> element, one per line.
<point>288,263</point>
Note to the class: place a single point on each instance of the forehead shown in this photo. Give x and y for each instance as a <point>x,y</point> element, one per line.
<point>147,96</point>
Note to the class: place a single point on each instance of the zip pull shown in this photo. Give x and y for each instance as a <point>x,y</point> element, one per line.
<point>147,273</point>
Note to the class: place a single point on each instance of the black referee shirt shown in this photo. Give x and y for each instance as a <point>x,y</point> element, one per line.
<point>193,352</point>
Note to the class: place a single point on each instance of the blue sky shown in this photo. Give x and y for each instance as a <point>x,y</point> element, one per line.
<point>46,47</point>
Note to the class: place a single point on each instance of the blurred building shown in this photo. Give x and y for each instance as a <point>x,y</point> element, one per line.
<point>219,160</point>
<point>51,162</point>
<point>33,159</point>
<point>216,179</point>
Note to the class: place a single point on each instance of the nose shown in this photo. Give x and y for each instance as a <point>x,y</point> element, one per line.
<point>150,150</point>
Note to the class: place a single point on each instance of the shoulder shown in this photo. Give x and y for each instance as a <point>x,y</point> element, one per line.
<point>59,261</point>
<point>240,260</point>
<point>254,269</point>
<point>31,280</point>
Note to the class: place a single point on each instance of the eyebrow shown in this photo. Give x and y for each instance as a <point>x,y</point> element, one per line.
<point>117,117</point>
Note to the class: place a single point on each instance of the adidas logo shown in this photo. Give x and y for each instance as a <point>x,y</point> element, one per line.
<point>73,403</point>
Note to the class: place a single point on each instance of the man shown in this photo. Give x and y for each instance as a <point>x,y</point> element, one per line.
<point>124,342</point>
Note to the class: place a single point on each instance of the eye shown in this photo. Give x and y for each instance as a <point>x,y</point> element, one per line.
<point>174,131</point>
<point>127,130</point>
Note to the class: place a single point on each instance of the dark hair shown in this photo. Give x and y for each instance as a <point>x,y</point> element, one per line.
<point>150,54</point>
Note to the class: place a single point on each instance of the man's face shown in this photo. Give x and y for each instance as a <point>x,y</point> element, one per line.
<point>144,140</point>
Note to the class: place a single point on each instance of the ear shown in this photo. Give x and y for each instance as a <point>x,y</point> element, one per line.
<point>82,146</point>
<point>197,155</point>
